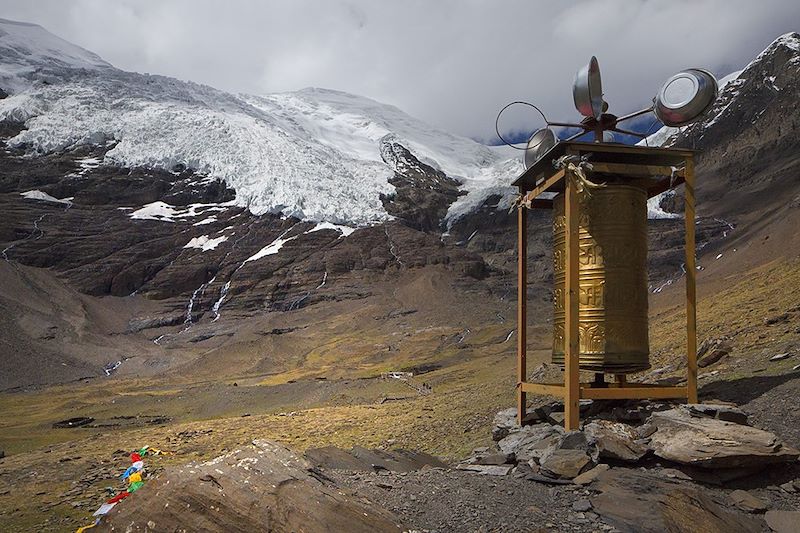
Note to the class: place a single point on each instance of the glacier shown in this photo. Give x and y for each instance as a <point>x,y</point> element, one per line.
<point>312,154</point>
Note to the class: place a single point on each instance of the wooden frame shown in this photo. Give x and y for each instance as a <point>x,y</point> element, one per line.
<point>644,163</point>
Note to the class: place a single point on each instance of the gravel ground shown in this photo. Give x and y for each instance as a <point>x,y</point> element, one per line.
<point>777,409</point>
<point>438,500</point>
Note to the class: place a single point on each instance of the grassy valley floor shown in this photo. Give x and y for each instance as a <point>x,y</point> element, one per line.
<point>52,479</point>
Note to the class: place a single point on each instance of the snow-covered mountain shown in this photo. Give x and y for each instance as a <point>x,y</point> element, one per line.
<point>313,154</point>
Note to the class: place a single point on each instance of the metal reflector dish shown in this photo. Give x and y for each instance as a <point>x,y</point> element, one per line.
<point>685,97</point>
<point>540,142</point>
<point>587,90</point>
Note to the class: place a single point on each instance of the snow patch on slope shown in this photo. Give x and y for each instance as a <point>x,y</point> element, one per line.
<point>271,249</point>
<point>344,230</point>
<point>164,212</point>
<point>205,243</point>
<point>43,196</point>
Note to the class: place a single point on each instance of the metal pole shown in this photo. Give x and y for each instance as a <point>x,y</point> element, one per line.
<point>522,308</point>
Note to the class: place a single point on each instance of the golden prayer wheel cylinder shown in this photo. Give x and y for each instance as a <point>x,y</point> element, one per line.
<point>612,320</point>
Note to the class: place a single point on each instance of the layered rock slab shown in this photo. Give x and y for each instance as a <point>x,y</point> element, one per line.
<point>635,501</point>
<point>264,487</point>
<point>711,443</point>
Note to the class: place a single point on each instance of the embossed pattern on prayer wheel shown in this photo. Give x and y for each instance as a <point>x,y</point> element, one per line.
<point>612,318</point>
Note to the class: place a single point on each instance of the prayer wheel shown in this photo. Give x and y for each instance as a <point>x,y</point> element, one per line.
<point>612,318</point>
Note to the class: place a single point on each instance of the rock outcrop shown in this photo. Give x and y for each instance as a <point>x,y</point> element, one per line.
<point>635,501</point>
<point>264,487</point>
<point>702,436</point>
<point>711,443</point>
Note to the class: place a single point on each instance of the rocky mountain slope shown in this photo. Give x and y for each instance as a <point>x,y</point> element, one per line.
<point>215,206</point>
<point>209,226</point>
<point>749,163</point>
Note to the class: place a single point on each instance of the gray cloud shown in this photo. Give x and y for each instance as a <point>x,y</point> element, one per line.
<point>453,63</point>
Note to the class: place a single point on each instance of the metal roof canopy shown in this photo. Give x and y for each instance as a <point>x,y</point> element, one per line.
<point>661,167</point>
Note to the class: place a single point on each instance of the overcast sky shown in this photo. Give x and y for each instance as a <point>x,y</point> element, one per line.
<point>452,63</point>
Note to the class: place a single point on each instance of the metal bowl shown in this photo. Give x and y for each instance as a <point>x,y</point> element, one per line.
<point>685,97</point>
<point>587,90</point>
<point>540,142</point>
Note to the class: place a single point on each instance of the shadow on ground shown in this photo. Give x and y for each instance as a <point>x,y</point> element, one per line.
<point>744,390</point>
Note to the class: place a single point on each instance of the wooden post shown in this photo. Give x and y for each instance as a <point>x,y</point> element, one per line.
<point>571,304</point>
<point>522,309</point>
<point>691,287</point>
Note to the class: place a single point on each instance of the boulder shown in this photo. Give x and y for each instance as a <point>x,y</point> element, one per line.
<point>613,440</point>
<point>574,440</point>
<point>711,443</point>
<point>635,501</point>
<point>728,413</point>
<point>547,480</point>
<point>747,502</point>
<point>590,475</point>
<point>531,442</point>
<point>505,422</point>
<point>487,470</point>
<point>783,521</point>
<point>624,414</point>
<point>673,473</point>
<point>714,351</point>
<point>565,464</point>
<point>582,506</point>
<point>493,459</point>
<point>264,487</point>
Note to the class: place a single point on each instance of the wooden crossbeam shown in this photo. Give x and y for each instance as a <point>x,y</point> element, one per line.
<point>544,186</point>
<point>550,389</point>
<point>633,393</point>
<point>664,185</point>
<point>635,170</point>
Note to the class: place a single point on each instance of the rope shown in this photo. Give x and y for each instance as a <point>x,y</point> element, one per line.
<point>576,168</point>
<point>516,204</point>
